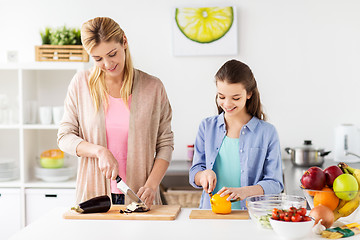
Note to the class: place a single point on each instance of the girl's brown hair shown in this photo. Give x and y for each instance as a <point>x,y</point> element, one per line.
<point>93,32</point>
<point>234,71</point>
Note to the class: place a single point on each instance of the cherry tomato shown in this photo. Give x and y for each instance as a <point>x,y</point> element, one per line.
<point>301,211</point>
<point>287,217</point>
<point>282,215</point>
<point>292,209</point>
<point>275,210</point>
<point>296,218</point>
<point>306,218</point>
<point>275,216</point>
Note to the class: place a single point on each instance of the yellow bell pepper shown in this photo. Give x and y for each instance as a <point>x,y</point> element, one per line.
<point>220,204</point>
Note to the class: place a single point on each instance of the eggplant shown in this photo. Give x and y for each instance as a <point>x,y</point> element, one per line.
<point>97,204</point>
<point>135,207</point>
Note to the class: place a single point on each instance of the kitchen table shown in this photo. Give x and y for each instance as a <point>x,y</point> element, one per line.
<point>53,226</point>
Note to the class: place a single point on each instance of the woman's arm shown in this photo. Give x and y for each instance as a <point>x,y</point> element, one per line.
<point>107,163</point>
<point>147,192</point>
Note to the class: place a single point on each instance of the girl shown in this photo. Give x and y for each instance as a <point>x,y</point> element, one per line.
<point>236,152</point>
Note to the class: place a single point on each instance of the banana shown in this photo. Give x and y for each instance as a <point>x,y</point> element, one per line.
<point>350,206</point>
<point>345,208</point>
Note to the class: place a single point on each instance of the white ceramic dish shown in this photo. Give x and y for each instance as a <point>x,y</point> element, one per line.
<point>55,174</point>
<point>9,174</point>
<point>292,230</point>
<point>7,164</point>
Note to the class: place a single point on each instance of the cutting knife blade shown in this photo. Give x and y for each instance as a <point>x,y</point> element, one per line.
<point>127,190</point>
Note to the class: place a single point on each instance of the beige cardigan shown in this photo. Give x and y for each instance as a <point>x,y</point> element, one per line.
<point>150,134</point>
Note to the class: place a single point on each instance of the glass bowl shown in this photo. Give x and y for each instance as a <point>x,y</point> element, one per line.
<point>328,198</point>
<point>260,207</point>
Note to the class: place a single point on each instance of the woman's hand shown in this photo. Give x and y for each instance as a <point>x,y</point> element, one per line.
<point>108,164</point>
<point>206,179</point>
<point>147,195</point>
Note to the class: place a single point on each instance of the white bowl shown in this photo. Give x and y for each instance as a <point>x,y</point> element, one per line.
<point>292,230</point>
<point>55,174</point>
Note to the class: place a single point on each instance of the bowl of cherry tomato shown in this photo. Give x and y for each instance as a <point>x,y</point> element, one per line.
<point>291,223</point>
<point>260,207</point>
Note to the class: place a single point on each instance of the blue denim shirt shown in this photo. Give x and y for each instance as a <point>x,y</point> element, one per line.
<point>260,155</point>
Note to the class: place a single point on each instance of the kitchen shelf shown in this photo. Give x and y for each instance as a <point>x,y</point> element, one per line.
<point>41,184</point>
<point>26,87</point>
<point>40,126</point>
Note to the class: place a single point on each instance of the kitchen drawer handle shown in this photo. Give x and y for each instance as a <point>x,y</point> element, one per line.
<point>51,195</point>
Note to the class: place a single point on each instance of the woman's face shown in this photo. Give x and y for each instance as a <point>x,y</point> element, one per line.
<point>232,97</point>
<point>110,57</point>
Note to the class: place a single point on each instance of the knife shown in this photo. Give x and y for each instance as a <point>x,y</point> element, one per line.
<point>126,190</point>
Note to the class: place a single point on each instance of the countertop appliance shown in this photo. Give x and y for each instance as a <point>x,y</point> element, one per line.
<point>347,143</point>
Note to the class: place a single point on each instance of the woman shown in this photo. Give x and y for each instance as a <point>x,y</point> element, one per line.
<point>236,153</point>
<point>117,120</point>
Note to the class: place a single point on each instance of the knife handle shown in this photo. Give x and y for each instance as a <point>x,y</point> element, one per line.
<point>118,179</point>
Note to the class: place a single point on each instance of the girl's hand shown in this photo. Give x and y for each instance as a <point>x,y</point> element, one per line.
<point>207,180</point>
<point>147,195</point>
<point>108,164</point>
<point>241,193</point>
<point>234,193</point>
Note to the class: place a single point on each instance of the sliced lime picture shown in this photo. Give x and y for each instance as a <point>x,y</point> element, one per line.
<point>204,25</point>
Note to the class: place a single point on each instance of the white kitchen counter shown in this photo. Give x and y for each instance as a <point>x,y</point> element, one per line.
<point>53,226</point>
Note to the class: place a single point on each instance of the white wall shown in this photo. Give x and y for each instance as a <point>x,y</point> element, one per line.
<point>305,56</point>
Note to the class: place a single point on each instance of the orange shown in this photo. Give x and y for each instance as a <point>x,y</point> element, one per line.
<point>220,204</point>
<point>327,198</point>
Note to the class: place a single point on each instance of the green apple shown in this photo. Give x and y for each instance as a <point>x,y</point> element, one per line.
<point>345,186</point>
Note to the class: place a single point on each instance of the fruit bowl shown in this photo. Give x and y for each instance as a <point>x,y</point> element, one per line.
<point>292,230</point>
<point>260,207</point>
<point>329,198</point>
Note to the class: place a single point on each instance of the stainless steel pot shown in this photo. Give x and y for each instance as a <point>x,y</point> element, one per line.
<point>307,155</point>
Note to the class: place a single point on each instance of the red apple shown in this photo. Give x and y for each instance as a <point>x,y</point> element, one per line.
<point>314,178</point>
<point>331,173</point>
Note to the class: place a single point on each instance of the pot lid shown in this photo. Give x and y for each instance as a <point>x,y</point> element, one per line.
<point>307,145</point>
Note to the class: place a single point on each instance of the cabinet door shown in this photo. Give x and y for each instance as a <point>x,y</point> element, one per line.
<point>41,201</point>
<point>10,215</point>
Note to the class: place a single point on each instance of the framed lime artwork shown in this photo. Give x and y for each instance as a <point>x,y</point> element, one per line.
<point>204,31</point>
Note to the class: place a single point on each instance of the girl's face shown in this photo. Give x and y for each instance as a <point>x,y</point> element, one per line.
<point>110,57</point>
<point>232,97</point>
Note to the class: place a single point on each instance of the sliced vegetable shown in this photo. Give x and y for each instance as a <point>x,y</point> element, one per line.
<point>94,205</point>
<point>135,207</point>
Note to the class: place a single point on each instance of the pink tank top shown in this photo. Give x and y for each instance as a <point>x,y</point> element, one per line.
<point>117,128</point>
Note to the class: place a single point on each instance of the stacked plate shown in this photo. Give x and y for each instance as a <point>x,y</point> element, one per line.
<point>8,170</point>
<point>55,174</point>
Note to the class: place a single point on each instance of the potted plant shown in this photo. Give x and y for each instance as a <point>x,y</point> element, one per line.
<point>61,44</point>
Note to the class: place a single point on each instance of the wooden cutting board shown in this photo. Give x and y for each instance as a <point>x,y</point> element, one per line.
<point>208,214</point>
<point>157,212</point>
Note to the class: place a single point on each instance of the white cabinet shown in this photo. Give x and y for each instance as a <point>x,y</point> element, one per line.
<point>25,87</point>
<point>40,201</point>
<point>10,214</point>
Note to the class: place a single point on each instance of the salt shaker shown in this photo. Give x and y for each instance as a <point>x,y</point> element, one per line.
<point>190,152</point>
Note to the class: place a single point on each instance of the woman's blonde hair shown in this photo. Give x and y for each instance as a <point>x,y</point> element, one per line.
<point>234,71</point>
<point>93,32</point>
